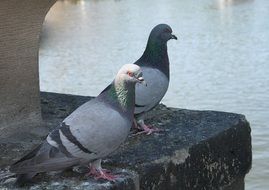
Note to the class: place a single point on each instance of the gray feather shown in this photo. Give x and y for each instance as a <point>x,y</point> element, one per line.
<point>44,158</point>
<point>154,64</point>
<point>147,97</point>
<point>91,132</point>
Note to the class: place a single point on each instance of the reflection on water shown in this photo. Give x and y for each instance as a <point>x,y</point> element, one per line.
<point>219,62</point>
<point>73,1</point>
<point>222,4</point>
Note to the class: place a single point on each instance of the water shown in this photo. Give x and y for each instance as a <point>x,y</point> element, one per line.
<point>220,61</point>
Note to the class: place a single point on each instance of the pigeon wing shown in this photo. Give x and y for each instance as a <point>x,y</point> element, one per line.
<point>43,158</point>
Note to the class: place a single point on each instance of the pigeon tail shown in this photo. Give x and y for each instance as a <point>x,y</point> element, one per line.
<point>5,174</point>
<point>27,156</point>
<point>23,179</point>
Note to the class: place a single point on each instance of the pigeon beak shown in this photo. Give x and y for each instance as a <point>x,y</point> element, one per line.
<point>142,81</point>
<point>173,37</point>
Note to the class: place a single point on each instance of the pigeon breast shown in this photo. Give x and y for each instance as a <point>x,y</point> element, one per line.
<point>147,97</point>
<point>93,131</point>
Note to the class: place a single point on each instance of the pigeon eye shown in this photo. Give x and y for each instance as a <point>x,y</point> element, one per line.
<point>167,30</point>
<point>130,73</point>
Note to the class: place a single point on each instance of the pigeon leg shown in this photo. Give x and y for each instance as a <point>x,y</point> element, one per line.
<point>135,125</point>
<point>148,129</point>
<point>99,173</point>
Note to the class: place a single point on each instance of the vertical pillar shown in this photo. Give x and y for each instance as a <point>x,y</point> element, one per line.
<point>20,26</point>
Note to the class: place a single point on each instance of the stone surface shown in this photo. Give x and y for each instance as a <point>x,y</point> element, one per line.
<point>20,27</point>
<point>198,150</point>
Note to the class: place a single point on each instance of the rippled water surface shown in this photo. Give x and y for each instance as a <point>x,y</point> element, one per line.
<point>220,61</point>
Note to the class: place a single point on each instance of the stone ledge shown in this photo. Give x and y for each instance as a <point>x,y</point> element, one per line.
<point>197,150</point>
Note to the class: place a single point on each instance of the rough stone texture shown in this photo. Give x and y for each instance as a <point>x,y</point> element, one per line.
<point>20,26</point>
<point>198,150</point>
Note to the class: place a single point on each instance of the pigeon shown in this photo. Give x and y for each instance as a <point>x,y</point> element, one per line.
<point>154,64</point>
<point>90,133</point>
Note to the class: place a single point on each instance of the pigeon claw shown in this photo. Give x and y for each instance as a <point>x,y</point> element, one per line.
<point>148,129</point>
<point>102,174</point>
<point>106,176</point>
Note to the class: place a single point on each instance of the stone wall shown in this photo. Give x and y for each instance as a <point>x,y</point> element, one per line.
<point>203,150</point>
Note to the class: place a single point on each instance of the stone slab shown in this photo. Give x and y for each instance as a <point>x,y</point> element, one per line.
<point>198,150</point>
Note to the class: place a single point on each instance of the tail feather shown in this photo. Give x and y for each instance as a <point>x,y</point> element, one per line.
<point>5,174</point>
<point>23,179</point>
<point>29,155</point>
<point>42,159</point>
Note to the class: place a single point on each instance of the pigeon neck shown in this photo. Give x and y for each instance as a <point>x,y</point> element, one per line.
<point>124,94</point>
<point>155,55</point>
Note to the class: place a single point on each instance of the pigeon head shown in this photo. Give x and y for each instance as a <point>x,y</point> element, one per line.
<point>123,87</point>
<point>156,49</point>
<point>155,54</point>
<point>161,33</point>
<point>130,73</point>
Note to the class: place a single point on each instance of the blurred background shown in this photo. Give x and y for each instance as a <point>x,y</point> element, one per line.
<point>220,61</point>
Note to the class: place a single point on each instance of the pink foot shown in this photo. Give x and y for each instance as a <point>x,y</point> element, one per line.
<point>101,174</point>
<point>148,129</point>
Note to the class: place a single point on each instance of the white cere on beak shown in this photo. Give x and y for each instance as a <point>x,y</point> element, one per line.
<point>142,81</point>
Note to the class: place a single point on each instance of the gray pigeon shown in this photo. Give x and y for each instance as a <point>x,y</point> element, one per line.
<point>154,64</point>
<point>90,133</point>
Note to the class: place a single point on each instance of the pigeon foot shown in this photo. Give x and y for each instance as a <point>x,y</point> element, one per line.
<point>145,129</point>
<point>99,173</point>
<point>148,129</point>
<point>102,174</point>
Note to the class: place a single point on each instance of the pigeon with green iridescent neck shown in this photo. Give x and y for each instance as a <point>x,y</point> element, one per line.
<point>90,133</point>
<point>154,64</point>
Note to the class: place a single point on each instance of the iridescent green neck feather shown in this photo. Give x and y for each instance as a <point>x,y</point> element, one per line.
<point>155,55</point>
<point>123,93</point>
